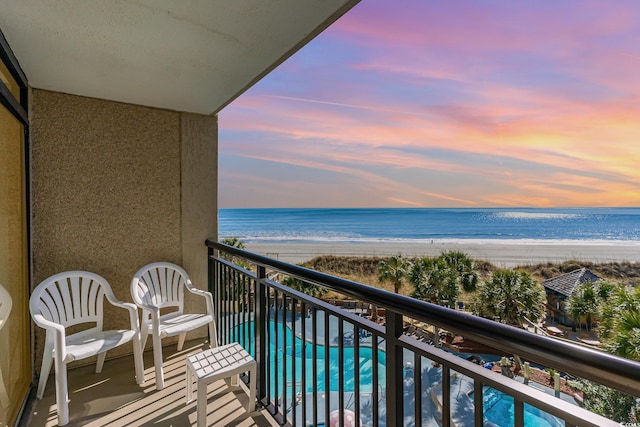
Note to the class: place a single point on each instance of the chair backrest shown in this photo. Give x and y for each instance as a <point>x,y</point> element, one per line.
<point>160,284</point>
<point>71,298</point>
<point>5,305</point>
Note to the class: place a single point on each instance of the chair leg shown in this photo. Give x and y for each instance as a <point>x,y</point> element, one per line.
<point>181,339</point>
<point>4,397</point>
<point>251,406</point>
<point>157,361</point>
<point>137,359</point>
<point>202,404</point>
<point>100,361</point>
<point>144,333</point>
<point>213,340</point>
<point>47,361</point>
<point>62,394</point>
<point>189,383</point>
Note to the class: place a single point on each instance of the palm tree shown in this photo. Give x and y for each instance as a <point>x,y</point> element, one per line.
<point>394,270</point>
<point>583,303</point>
<point>619,328</point>
<point>233,241</point>
<point>605,289</point>
<point>434,280</point>
<point>308,288</point>
<point>513,296</point>
<point>465,268</point>
<point>620,323</point>
<point>236,243</point>
<point>588,300</point>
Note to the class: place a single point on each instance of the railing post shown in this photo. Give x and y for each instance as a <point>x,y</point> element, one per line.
<point>261,317</point>
<point>212,286</point>
<point>394,369</point>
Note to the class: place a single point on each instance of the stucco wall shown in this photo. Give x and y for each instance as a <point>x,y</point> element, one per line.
<point>199,183</point>
<point>107,192</point>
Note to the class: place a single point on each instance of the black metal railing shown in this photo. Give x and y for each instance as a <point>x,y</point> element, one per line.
<point>315,358</point>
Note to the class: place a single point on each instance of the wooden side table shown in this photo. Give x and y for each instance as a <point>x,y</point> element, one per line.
<point>221,362</point>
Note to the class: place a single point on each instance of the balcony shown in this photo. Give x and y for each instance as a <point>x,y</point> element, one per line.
<point>316,359</point>
<point>113,398</point>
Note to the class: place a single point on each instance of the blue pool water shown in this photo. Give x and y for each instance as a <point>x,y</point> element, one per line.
<point>293,345</point>
<point>498,408</point>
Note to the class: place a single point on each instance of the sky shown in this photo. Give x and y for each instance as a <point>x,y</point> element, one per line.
<point>433,103</point>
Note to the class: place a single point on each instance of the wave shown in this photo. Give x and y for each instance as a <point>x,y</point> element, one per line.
<point>434,225</point>
<point>462,241</point>
<point>536,215</point>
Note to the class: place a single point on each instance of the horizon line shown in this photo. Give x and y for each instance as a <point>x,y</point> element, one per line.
<point>436,207</point>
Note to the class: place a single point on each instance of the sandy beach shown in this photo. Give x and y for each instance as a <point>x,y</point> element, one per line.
<point>502,254</point>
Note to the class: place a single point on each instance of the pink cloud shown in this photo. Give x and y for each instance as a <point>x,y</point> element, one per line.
<point>555,85</point>
<point>346,142</point>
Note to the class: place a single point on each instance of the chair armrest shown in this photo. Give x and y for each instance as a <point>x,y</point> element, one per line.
<point>149,311</point>
<point>39,320</point>
<point>131,308</point>
<point>122,304</point>
<point>152,309</point>
<point>196,291</point>
<point>58,331</point>
<point>205,294</point>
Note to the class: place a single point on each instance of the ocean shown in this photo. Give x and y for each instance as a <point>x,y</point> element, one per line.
<point>432,225</point>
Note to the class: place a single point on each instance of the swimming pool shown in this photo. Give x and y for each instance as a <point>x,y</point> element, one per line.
<point>498,408</point>
<point>293,345</point>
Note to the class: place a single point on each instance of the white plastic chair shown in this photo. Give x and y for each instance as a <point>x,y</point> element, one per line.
<point>160,285</point>
<point>5,309</point>
<point>73,298</point>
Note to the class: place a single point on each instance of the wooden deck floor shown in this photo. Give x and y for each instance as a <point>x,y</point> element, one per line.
<point>112,398</point>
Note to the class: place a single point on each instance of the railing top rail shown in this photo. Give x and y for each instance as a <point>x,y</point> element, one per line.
<point>601,367</point>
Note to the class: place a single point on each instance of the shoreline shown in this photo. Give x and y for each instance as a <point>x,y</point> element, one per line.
<point>500,253</point>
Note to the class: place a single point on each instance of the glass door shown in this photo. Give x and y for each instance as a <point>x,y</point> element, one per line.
<point>15,354</point>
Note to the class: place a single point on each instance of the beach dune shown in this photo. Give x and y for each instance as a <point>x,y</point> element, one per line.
<point>501,254</point>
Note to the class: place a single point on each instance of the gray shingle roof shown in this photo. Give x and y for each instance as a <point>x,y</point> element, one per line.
<point>567,283</point>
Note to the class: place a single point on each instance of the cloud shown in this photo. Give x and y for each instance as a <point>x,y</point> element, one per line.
<point>339,104</point>
<point>450,104</point>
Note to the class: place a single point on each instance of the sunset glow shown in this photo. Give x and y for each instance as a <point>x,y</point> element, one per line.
<point>438,104</point>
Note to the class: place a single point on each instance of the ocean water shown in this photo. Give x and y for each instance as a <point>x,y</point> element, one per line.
<point>587,225</point>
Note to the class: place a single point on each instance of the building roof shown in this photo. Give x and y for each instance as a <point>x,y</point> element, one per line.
<point>567,283</point>
<point>187,55</point>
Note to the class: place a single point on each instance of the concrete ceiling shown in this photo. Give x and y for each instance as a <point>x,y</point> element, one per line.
<point>185,55</point>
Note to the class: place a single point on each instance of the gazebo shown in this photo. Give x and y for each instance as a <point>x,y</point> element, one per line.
<point>559,289</point>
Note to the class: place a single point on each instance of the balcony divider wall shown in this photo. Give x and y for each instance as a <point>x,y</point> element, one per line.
<point>113,190</point>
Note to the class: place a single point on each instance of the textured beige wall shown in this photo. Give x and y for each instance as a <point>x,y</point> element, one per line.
<point>199,185</point>
<point>106,193</point>
<point>116,186</point>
